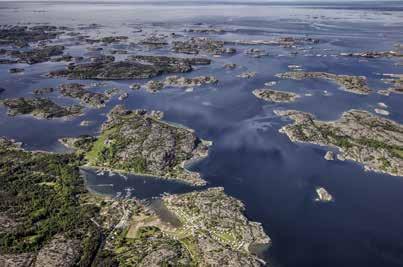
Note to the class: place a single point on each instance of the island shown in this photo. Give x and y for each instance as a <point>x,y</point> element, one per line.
<point>180,82</point>
<point>270,95</point>
<point>353,84</point>
<point>373,141</point>
<point>135,67</point>
<point>78,91</point>
<point>323,195</point>
<point>41,108</point>
<point>139,142</point>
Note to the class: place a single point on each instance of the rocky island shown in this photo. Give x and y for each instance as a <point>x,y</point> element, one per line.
<point>275,96</point>
<point>37,55</point>
<point>78,91</point>
<point>39,107</point>
<point>323,195</point>
<point>360,136</point>
<point>22,36</point>
<point>353,84</point>
<point>140,142</point>
<point>136,67</point>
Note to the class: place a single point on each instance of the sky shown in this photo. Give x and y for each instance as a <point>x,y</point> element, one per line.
<point>335,1</point>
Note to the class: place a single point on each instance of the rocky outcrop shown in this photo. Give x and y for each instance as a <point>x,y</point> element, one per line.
<point>17,260</point>
<point>154,86</point>
<point>176,81</point>
<point>329,155</point>
<point>39,107</point>
<point>323,195</point>
<point>353,84</point>
<point>396,82</point>
<point>43,90</point>
<point>247,75</point>
<point>275,96</point>
<point>361,136</point>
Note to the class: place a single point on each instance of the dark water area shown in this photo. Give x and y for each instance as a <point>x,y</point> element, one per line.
<point>275,178</point>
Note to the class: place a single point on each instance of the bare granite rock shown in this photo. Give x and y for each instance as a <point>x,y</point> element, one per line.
<point>59,252</point>
<point>17,260</point>
<point>323,195</point>
<point>329,155</point>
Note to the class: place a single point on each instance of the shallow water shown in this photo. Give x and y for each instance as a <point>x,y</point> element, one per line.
<point>250,158</point>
